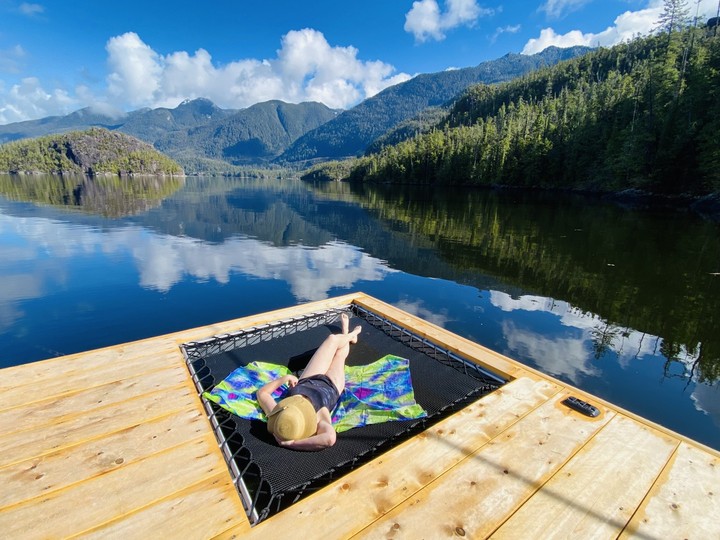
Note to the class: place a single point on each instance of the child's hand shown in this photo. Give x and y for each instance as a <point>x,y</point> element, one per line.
<point>291,380</point>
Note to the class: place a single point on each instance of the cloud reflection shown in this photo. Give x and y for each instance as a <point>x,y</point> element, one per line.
<point>706,399</point>
<point>439,318</point>
<point>164,260</point>
<point>570,354</point>
<point>566,357</point>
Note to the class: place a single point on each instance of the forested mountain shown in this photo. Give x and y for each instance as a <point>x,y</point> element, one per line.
<point>145,124</point>
<point>94,152</point>
<point>643,114</point>
<point>77,121</point>
<point>196,132</point>
<point>152,125</point>
<point>420,123</point>
<point>252,135</point>
<point>353,130</point>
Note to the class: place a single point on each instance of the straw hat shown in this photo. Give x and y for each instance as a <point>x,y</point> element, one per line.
<point>293,418</point>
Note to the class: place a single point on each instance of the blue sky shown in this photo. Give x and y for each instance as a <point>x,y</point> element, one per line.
<point>57,57</point>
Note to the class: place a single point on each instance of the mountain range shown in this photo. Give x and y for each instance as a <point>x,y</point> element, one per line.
<point>198,134</point>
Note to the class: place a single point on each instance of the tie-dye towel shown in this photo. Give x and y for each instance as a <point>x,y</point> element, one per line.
<point>379,392</point>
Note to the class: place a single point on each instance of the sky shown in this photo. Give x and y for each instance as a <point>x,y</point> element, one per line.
<point>57,57</point>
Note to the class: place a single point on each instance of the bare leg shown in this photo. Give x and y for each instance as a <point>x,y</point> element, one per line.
<point>329,358</point>
<point>336,371</point>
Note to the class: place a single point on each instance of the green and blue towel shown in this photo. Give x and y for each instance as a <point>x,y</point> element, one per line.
<point>374,393</point>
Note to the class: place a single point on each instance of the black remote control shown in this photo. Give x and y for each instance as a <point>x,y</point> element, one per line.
<point>581,406</point>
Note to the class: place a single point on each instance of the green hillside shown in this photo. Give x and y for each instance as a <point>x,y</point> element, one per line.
<point>641,115</point>
<point>353,130</point>
<point>93,152</point>
<point>151,125</point>
<point>250,136</point>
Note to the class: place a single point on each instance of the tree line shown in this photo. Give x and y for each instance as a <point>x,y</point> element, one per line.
<point>643,114</point>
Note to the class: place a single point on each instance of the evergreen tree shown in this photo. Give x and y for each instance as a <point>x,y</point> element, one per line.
<point>674,17</point>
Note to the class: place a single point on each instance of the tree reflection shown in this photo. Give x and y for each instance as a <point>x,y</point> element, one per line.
<point>652,271</point>
<point>602,337</point>
<point>108,196</point>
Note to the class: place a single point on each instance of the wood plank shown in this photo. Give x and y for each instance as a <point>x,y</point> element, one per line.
<point>82,377</point>
<point>112,495</point>
<point>484,470</point>
<point>129,357</point>
<point>597,492</point>
<point>198,512</point>
<point>43,475</point>
<point>45,412</point>
<point>368,492</point>
<point>685,502</point>
<point>476,496</point>
<point>36,442</point>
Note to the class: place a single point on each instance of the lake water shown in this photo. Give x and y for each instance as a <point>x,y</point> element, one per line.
<point>623,303</point>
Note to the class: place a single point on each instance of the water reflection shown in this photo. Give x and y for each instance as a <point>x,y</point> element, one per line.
<point>585,339</point>
<point>573,348</point>
<point>109,196</point>
<point>652,272</point>
<point>707,401</point>
<point>164,260</point>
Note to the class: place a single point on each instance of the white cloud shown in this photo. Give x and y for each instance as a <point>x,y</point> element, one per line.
<point>425,20</point>
<point>558,8</point>
<point>626,26</point>
<point>569,354</point>
<point>560,356</point>
<point>707,400</point>
<point>306,68</point>
<point>164,260</point>
<point>31,9</point>
<point>418,308</point>
<point>136,69</point>
<point>29,99</point>
<point>10,59</point>
<point>510,29</point>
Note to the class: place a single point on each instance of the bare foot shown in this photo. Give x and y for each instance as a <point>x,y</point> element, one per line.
<point>345,324</point>
<point>355,333</point>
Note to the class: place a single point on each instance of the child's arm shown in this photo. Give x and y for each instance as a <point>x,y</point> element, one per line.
<point>264,394</point>
<point>324,438</point>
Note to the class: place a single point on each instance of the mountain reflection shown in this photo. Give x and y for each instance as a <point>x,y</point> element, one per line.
<point>108,196</point>
<point>164,260</point>
<point>628,281</point>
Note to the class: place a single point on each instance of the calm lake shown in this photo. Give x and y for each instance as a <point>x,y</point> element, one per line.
<point>621,302</point>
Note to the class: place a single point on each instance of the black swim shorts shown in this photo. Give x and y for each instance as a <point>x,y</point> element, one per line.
<point>319,389</point>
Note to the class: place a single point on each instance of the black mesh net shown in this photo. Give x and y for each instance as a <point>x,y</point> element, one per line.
<point>268,477</point>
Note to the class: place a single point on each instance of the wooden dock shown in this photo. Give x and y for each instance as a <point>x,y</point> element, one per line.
<point>115,443</point>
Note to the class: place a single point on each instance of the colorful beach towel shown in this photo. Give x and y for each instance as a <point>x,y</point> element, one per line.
<point>375,393</point>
